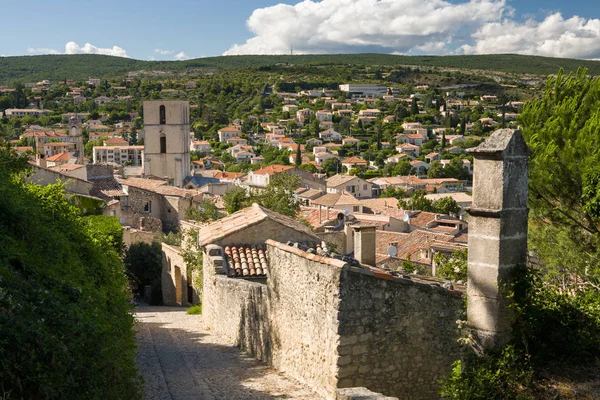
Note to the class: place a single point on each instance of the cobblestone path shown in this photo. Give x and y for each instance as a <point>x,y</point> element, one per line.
<point>181,360</point>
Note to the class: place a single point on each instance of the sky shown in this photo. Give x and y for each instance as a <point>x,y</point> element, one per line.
<point>184,29</point>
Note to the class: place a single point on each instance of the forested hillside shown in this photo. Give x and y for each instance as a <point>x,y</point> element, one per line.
<point>83,66</point>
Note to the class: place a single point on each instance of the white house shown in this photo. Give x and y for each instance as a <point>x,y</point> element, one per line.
<point>330,135</point>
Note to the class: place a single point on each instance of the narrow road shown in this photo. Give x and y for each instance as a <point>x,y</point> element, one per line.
<point>181,360</point>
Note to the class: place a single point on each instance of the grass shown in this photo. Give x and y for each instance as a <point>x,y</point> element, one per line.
<point>195,310</point>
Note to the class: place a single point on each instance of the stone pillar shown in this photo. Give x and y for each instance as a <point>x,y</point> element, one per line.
<point>497,233</point>
<point>364,244</point>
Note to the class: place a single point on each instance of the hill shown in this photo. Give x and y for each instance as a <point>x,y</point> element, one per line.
<point>82,66</point>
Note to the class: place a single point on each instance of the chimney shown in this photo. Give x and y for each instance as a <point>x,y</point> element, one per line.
<point>364,244</point>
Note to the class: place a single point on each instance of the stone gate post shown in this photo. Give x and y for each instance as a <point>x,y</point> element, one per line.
<point>497,232</point>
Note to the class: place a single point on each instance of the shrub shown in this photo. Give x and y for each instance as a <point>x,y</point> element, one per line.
<point>66,328</point>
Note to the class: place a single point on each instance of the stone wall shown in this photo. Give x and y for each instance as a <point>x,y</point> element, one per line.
<point>333,326</point>
<point>131,236</point>
<point>303,312</point>
<point>43,176</point>
<point>397,336</point>
<point>174,277</point>
<point>259,233</point>
<point>236,308</point>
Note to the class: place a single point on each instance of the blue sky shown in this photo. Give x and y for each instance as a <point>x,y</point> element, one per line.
<point>180,29</point>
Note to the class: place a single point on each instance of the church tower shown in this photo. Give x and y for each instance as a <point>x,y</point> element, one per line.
<point>76,137</point>
<point>167,140</point>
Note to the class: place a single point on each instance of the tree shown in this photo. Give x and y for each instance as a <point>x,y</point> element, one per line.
<point>563,130</point>
<point>332,166</point>
<point>308,168</point>
<point>279,195</point>
<point>403,168</point>
<point>443,140</point>
<point>436,170</point>
<point>395,192</point>
<point>144,264</point>
<point>414,107</point>
<point>344,125</point>
<point>298,156</point>
<point>453,267</point>
<point>236,199</point>
<point>446,205</point>
<point>206,211</point>
<point>418,201</point>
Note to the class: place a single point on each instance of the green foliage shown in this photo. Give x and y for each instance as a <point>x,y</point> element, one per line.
<point>332,166</point>
<point>206,211</point>
<point>550,328</point>
<point>279,195</point>
<point>393,191</point>
<point>453,267</point>
<point>236,199</point>
<point>418,201</point>
<point>446,205</point>
<point>109,228</point>
<point>66,331</point>
<point>501,376</point>
<point>308,168</point>
<point>563,130</point>
<point>144,264</point>
<point>171,238</point>
<point>195,310</point>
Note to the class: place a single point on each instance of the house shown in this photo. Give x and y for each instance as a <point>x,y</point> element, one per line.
<point>25,112</point>
<point>116,141</point>
<point>389,118</point>
<point>236,141</point>
<point>412,138</point>
<point>340,201</point>
<point>325,125</point>
<point>290,108</point>
<point>314,142</point>
<point>304,159</point>
<point>53,148</point>
<point>227,133</point>
<point>350,140</point>
<point>260,178</point>
<point>129,155</point>
<point>352,184</point>
<point>433,156</point>
<point>330,135</point>
<point>369,113</point>
<point>323,115</point>
<point>322,156</point>
<point>353,162</point>
<point>420,167</point>
<point>200,145</point>
<point>395,158</point>
<point>409,149</point>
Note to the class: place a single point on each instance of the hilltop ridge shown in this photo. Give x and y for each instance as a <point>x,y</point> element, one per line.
<point>83,66</point>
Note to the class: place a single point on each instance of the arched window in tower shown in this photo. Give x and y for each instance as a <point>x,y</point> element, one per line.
<point>163,115</point>
<point>163,143</point>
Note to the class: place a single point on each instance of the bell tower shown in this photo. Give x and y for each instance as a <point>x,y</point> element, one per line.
<point>76,137</point>
<point>166,141</point>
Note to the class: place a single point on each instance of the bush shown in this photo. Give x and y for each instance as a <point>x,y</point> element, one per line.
<point>144,264</point>
<point>66,328</point>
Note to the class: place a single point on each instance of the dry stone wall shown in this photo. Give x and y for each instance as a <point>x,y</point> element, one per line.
<point>397,337</point>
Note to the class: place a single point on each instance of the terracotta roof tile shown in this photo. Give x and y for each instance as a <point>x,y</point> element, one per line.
<point>246,261</point>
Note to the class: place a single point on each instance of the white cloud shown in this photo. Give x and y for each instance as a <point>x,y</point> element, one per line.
<point>42,51</point>
<point>164,52</point>
<point>335,26</point>
<point>181,56</point>
<point>74,48</point>
<point>575,37</point>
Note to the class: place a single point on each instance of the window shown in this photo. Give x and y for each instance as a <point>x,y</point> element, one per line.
<point>163,143</point>
<point>148,207</point>
<point>162,115</point>
<point>365,186</point>
<point>356,208</point>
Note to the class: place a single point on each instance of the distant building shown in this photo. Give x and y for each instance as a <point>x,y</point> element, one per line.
<point>364,90</point>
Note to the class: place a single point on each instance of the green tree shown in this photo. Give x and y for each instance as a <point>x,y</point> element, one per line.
<point>418,201</point>
<point>279,195</point>
<point>403,168</point>
<point>453,266</point>
<point>206,211</point>
<point>436,170</point>
<point>395,192</point>
<point>144,266</point>
<point>236,199</point>
<point>562,128</point>
<point>332,166</point>
<point>414,107</point>
<point>446,205</point>
<point>298,156</point>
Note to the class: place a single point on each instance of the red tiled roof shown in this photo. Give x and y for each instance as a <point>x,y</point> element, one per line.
<point>64,156</point>
<point>246,261</point>
<point>311,214</point>
<point>272,169</point>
